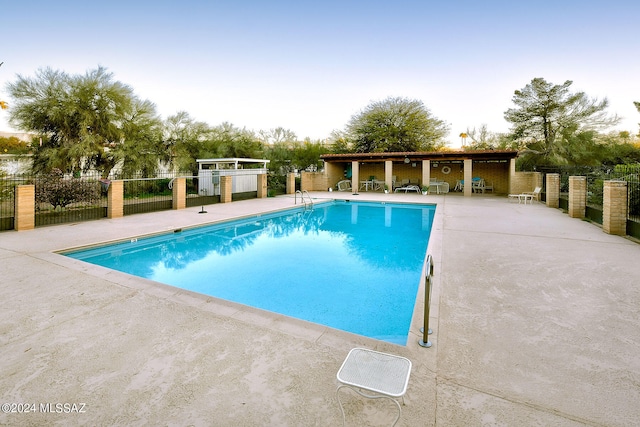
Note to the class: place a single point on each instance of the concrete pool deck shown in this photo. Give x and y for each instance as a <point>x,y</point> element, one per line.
<point>535,316</point>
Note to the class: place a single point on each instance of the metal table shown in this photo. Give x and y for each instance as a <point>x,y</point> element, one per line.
<point>381,373</point>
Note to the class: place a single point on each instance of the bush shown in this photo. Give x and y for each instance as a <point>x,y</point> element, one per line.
<point>54,189</point>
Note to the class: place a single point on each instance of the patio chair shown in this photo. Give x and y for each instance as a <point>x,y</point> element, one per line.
<point>344,185</point>
<point>488,186</point>
<point>478,185</point>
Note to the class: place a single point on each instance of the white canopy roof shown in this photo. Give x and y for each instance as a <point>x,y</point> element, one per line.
<point>230,161</point>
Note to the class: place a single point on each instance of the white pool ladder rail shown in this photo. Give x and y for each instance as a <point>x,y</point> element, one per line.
<point>308,202</point>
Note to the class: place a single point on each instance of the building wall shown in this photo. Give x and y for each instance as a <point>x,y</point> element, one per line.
<point>525,181</point>
<point>335,172</point>
<point>314,181</point>
<point>494,173</point>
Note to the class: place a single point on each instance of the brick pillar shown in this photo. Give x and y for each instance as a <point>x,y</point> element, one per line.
<point>388,174</point>
<point>115,200</point>
<point>25,207</point>
<point>512,177</point>
<point>179,192</point>
<point>226,185</point>
<point>468,175</point>
<point>426,172</point>
<point>355,176</point>
<point>577,196</point>
<point>262,186</point>
<point>615,205</point>
<point>291,183</point>
<point>553,190</point>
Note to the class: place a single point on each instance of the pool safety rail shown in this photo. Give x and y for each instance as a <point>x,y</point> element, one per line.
<point>426,331</point>
<point>308,202</point>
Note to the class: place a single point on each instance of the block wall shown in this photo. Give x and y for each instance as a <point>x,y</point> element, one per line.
<point>525,181</point>
<point>495,173</point>
<point>314,181</point>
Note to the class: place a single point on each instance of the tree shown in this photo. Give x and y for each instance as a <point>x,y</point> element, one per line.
<point>86,121</point>
<point>395,125</point>
<point>13,145</point>
<point>278,135</point>
<point>483,139</point>
<point>236,142</point>
<point>552,123</point>
<point>187,140</point>
<point>3,104</point>
<point>306,155</point>
<point>339,142</point>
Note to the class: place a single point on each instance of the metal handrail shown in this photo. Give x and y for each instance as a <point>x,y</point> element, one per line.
<point>302,193</point>
<point>424,342</point>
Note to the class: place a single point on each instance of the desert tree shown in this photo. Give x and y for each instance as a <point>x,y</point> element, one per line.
<point>395,124</point>
<point>85,121</point>
<point>553,124</point>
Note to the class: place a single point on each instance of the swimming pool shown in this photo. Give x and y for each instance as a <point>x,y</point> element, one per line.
<point>354,266</point>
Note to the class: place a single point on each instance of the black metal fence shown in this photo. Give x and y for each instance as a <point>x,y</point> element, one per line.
<point>596,175</point>
<point>7,202</point>
<point>143,195</point>
<point>62,198</point>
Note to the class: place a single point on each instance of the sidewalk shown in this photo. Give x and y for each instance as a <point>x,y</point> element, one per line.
<point>535,319</point>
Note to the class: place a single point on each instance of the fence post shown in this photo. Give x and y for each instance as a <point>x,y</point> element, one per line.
<point>614,208</point>
<point>226,187</point>
<point>577,196</point>
<point>25,207</point>
<point>115,200</point>
<point>179,193</point>
<point>553,190</point>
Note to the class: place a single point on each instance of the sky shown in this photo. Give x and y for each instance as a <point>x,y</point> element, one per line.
<point>309,66</point>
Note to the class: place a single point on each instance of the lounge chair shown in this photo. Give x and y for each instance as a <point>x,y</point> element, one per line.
<point>344,185</point>
<point>527,195</point>
<point>407,188</point>
<point>535,193</point>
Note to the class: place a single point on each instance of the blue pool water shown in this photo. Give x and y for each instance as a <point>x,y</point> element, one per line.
<point>354,266</point>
